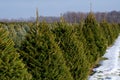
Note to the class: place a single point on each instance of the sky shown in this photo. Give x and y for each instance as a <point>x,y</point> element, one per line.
<point>14,9</point>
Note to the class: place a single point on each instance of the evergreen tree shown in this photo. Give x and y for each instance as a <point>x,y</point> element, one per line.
<point>43,56</point>
<point>96,43</point>
<point>73,50</point>
<point>89,36</point>
<point>11,67</point>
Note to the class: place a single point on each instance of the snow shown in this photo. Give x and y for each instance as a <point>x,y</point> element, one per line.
<point>110,68</point>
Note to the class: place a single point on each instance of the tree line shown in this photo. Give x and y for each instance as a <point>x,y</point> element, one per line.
<point>53,51</point>
<point>72,17</point>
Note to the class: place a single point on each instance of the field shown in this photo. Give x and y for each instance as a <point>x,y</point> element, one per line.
<point>53,51</point>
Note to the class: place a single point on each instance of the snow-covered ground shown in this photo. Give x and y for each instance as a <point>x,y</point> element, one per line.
<point>110,68</point>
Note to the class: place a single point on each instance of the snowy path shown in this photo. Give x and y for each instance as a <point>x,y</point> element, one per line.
<point>110,68</point>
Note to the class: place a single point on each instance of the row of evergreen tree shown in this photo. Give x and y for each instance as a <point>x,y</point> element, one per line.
<point>53,51</point>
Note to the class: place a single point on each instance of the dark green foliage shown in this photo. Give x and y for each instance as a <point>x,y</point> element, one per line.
<point>43,56</point>
<point>95,40</point>
<point>73,50</point>
<point>88,27</point>
<point>81,37</point>
<point>108,32</point>
<point>11,67</point>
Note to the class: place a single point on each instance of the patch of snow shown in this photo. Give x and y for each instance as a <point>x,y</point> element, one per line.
<point>110,68</point>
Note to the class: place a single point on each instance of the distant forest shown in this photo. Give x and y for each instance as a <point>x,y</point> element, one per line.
<point>73,17</point>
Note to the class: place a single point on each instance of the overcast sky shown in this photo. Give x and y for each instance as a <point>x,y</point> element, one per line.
<point>26,8</point>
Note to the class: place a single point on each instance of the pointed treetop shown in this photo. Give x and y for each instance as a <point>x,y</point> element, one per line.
<point>62,18</point>
<point>90,6</point>
<point>37,16</point>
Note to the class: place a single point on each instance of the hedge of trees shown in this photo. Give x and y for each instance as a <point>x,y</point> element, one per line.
<point>53,51</point>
